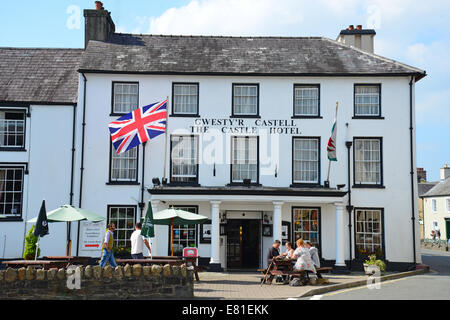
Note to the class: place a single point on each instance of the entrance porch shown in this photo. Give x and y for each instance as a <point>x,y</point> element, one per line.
<point>246,220</point>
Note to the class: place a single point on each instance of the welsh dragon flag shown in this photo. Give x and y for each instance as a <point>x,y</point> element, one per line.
<point>331,148</point>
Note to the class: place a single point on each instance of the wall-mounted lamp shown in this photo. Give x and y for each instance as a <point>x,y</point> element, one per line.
<point>156,182</point>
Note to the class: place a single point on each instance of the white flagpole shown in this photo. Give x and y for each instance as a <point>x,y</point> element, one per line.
<point>37,249</point>
<point>165,142</point>
<point>329,161</point>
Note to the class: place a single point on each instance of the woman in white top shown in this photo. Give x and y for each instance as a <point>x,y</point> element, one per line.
<point>289,251</point>
<point>304,261</point>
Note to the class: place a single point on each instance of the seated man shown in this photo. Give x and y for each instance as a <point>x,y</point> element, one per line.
<point>274,251</point>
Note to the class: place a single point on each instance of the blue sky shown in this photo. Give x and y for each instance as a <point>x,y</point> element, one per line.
<point>410,31</point>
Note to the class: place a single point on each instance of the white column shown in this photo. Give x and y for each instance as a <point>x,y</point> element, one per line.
<point>277,220</point>
<point>340,234</point>
<point>215,232</point>
<point>154,241</point>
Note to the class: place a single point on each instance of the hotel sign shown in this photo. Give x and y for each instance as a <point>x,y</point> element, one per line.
<point>245,126</point>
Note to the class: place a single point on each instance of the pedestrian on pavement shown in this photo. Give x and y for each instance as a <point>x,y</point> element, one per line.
<point>438,234</point>
<point>433,236</point>
<point>107,247</point>
<point>137,242</point>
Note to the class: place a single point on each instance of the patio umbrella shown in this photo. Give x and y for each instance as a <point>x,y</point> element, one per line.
<point>68,213</point>
<point>176,217</point>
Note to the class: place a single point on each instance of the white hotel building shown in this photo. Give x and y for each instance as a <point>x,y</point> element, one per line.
<point>249,120</point>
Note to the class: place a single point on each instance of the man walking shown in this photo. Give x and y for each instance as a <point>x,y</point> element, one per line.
<point>137,241</point>
<point>438,234</point>
<point>107,246</point>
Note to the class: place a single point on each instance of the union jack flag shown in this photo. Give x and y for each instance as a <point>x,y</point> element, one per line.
<point>138,126</point>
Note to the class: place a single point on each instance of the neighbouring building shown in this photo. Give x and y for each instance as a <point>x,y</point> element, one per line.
<point>436,207</point>
<point>249,120</point>
<point>423,187</point>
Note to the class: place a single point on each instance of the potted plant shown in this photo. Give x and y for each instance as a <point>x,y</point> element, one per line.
<point>122,252</point>
<point>374,265</point>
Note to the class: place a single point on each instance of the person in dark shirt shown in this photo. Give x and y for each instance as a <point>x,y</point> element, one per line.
<point>274,251</point>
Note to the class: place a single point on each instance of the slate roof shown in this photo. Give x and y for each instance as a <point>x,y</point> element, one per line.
<point>153,54</point>
<point>47,76</point>
<point>424,187</point>
<point>441,189</point>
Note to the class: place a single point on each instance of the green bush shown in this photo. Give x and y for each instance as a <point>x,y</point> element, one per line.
<point>30,245</point>
<point>373,260</point>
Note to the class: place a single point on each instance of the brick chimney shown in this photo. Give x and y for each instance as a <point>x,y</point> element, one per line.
<point>358,37</point>
<point>445,172</point>
<point>98,24</point>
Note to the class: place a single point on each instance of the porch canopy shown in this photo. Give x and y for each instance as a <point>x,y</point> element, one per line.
<point>254,194</point>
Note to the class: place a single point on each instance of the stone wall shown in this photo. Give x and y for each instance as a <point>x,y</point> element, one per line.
<point>93,282</point>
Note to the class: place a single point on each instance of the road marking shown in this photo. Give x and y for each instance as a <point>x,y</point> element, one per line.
<point>363,287</point>
<point>316,297</point>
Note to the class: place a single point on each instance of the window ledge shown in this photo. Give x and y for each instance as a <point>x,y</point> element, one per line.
<point>368,117</point>
<point>249,116</point>
<point>241,184</point>
<point>11,219</point>
<point>174,115</point>
<point>118,114</point>
<point>122,183</point>
<point>13,149</point>
<point>306,117</point>
<point>368,186</point>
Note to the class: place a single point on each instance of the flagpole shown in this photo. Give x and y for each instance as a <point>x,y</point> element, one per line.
<point>37,248</point>
<point>165,141</point>
<point>327,183</point>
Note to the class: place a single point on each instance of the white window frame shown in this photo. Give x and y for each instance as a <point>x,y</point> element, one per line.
<point>17,195</point>
<point>244,158</point>
<point>127,226</point>
<point>177,241</point>
<point>304,227</point>
<point>304,100</point>
<point>374,97</point>
<point>125,99</point>
<point>365,228</point>
<point>239,99</point>
<point>434,205</point>
<point>188,98</point>
<point>360,176</point>
<point>187,158</point>
<point>14,124</point>
<point>300,158</point>
<point>117,161</point>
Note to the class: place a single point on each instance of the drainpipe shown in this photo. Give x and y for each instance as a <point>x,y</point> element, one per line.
<point>69,224</point>
<point>349,144</point>
<point>82,158</point>
<point>142,203</point>
<point>411,136</point>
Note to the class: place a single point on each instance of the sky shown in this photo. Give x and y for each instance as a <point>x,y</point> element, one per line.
<point>410,31</point>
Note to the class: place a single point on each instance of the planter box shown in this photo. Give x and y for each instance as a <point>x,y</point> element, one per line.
<point>371,269</point>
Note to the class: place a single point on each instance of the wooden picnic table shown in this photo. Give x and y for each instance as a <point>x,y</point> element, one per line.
<point>46,264</point>
<point>285,267</point>
<point>72,260</point>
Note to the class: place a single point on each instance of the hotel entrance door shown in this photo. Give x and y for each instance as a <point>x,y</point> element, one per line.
<point>243,243</point>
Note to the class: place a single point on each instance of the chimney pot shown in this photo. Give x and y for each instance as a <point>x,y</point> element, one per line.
<point>351,27</point>
<point>99,5</point>
<point>359,27</point>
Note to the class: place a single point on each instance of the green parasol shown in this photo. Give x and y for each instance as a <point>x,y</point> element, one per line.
<point>68,213</point>
<point>176,217</point>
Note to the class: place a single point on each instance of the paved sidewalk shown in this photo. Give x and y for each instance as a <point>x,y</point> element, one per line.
<point>247,286</point>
